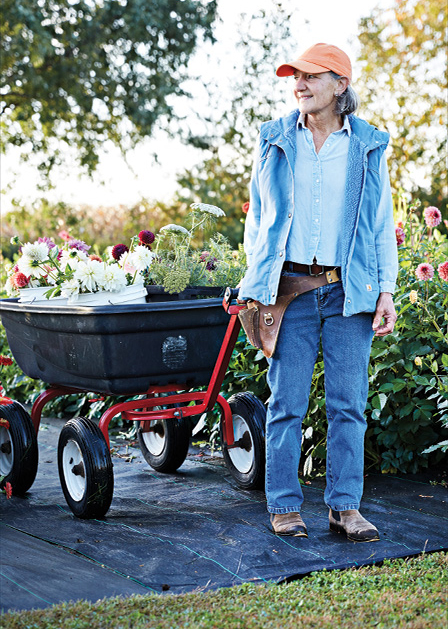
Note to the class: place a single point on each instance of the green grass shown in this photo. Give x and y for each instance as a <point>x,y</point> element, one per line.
<point>409,593</point>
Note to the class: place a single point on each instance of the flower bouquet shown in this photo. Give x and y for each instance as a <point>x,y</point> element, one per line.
<point>45,270</point>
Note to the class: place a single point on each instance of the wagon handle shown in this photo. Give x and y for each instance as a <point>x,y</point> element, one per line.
<point>230,295</point>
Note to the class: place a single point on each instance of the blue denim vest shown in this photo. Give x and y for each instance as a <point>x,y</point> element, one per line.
<point>272,197</point>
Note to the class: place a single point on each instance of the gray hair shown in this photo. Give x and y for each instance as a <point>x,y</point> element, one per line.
<point>348,101</point>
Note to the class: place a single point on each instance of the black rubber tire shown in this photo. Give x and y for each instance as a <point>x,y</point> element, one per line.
<point>247,464</point>
<point>167,453</point>
<point>18,449</point>
<point>83,454</point>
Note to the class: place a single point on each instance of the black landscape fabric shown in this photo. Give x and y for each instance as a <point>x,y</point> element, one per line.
<point>193,530</point>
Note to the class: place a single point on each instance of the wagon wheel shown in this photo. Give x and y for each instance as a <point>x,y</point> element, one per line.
<point>18,448</point>
<point>164,442</point>
<point>246,463</point>
<point>85,468</point>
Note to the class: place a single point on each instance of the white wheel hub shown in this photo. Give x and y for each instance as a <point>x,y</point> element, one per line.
<point>74,470</point>
<point>6,452</point>
<point>155,438</point>
<point>242,458</point>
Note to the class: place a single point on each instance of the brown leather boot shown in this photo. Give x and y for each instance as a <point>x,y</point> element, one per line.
<point>355,527</point>
<point>288,524</point>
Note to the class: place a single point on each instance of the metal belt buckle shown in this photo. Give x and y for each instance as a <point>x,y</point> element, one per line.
<point>315,274</point>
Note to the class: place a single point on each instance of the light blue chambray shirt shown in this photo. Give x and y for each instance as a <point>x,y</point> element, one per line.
<point>319,182</point>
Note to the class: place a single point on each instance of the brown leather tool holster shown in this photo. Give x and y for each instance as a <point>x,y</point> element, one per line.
<point>262,323</point>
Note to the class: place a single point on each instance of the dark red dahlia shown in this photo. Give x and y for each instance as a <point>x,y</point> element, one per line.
<point>211,266</point>
<point>118,251</point>
<point>146,237</point>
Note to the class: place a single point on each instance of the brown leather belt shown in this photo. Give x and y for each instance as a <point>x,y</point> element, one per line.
<point>311,269</point>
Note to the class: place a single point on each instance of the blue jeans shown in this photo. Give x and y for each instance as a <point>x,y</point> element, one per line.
<point>346,343</point>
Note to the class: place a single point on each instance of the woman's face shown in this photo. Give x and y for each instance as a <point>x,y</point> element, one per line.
<point>315,93</point>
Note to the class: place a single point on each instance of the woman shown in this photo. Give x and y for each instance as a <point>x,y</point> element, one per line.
<point>321,207</point>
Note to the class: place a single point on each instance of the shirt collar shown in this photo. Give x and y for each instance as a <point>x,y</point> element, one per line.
<point>345,127</point>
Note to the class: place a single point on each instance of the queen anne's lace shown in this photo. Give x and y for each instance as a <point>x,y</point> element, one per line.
<point>208,209</point>
<point>174,228</point>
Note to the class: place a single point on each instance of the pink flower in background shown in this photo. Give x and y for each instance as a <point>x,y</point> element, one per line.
<point>64,235</point>
<point>399,234</point>
<point>5,360</point>
<point>8,490</point>
<point>432,216</point>
<point>443,271</point>
<point>245,207</point>
<point>94,256</point>
<point>424,271</point>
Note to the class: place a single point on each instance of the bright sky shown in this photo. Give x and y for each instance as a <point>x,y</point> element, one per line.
<point>330,21</point>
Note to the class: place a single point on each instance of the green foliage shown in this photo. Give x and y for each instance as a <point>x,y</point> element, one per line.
<point>184,259</point>
<point>408,399</point>
<point>88,72</point>
<point>402,85</point>
<point>403,593</point>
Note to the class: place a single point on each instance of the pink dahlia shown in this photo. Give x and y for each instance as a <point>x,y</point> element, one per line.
<point>424,271</point>
<point>245,207</point>
<point>94,256</point>
<point>19,280</point>
<point>443,271</point>
<point>432,216</point>
<point>146,237</point>
<point>5,360</point>
<point>118,251</point>
<point>64,235</point>
<point>399,234</point>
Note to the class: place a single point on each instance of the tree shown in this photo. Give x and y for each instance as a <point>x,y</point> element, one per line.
<point>228,129</point>
<point>403,87</point>
<point>87,71</point>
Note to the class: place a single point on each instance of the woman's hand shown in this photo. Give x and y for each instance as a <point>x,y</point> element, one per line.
<point>385,309</point>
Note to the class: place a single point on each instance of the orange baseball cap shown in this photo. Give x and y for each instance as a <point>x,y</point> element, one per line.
<point>319,58</point>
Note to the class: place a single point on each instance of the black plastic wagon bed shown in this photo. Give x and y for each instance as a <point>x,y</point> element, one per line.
<point>117,350</point>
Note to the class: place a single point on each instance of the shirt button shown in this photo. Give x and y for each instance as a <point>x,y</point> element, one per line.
<point>317,180</point>
<point>289,215</point>
<point>272,135</point>
<point>281,253</point>
<point>349,301</point>
<point>317,200</point>
<point>316,220</point>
